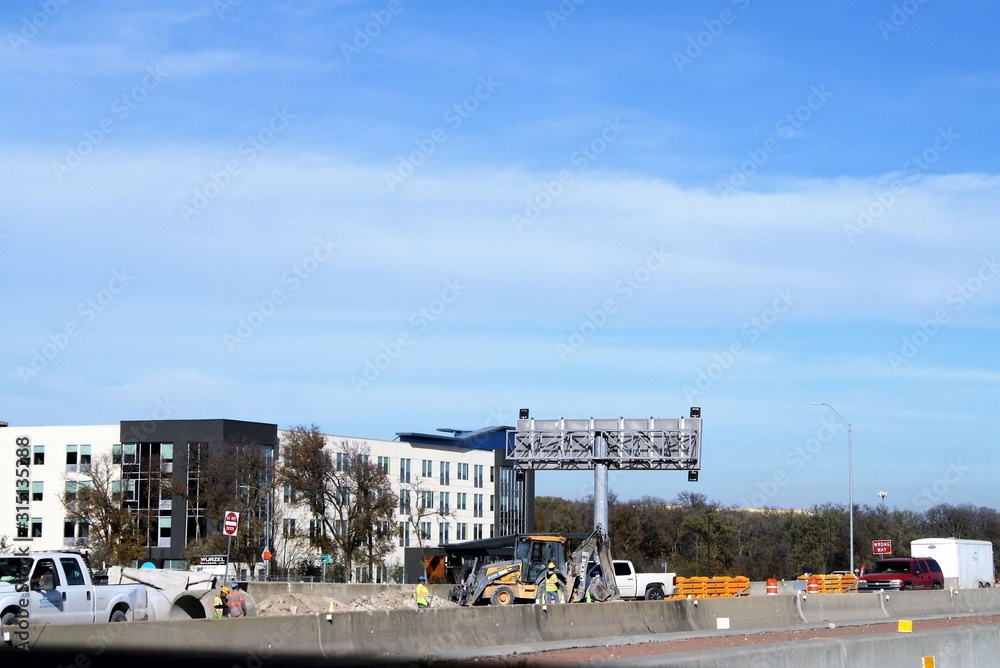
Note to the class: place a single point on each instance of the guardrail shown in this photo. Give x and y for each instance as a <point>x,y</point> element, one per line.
<point>830,584</point>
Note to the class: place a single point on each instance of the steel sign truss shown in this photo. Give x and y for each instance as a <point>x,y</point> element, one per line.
<point>653,444</point>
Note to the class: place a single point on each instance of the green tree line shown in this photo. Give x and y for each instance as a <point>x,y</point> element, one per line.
<point>697,536</point>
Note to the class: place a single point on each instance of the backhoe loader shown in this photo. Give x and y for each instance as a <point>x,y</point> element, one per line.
<point>522,579</point>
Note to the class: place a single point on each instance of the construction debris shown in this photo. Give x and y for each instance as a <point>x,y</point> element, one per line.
<point>305,604</point>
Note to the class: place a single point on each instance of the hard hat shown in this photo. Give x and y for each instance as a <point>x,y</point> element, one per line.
<point>421,578</point>
<point>225,590</point>
<point>552,564</point>
<point>234,584</point>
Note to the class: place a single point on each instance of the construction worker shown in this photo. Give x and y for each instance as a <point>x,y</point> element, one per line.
<point>552,584</point>
<point>421,593</point>
<point>236,600</point>
<point>220,602</point>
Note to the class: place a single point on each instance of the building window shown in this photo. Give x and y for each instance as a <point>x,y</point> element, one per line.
<point>461,531</point>
<point>36,527</point>
<point>443,530</point>
<point>404,502</point>
<point>445,473</point>
<point>445,498</point>
<point>425,530</point>
<point>477,532</point>
<point>427,500</point>
<point>85,459</point>
<point>404,534</point>
<point>286,493</point>
<point>491,473</point>
<point>460,500</point>
<point>491,531</point>
<point>70,491</point>
<point>383,465</point>
<point>167,457</point>
<point>165,524</point>
<point>72,458</point>
<point>128,453</point>
<point>315,531</point>
<point>341,461</point>
<point>491,503</point>
<point>37,490</point>
<point>478,473</point>
<point>477,505</point>
<point>39,459</point>
<point>288,528</point>
<point>427,468</point>
<point>404,470</point>
<point>463,471</point>
<point>69,528</point>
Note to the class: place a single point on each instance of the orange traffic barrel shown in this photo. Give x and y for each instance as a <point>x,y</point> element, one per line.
<point>772,587</point>
<point>813,587</point>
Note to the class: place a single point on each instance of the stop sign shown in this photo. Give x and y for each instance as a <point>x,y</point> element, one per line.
<point>231,523</point>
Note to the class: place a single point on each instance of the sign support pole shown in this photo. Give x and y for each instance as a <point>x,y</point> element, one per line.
<point>226,576</point>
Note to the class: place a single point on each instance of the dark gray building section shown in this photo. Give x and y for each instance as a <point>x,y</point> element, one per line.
<point>154,449</point>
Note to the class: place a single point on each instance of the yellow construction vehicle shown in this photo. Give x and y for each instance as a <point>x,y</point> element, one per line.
<point>522,579</point>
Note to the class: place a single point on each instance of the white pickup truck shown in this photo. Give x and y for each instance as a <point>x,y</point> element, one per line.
<point>650,586</point>
<point>56,588</point>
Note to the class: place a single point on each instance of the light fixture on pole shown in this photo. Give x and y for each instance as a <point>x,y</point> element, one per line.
<point>882,496</point>
<point>267,528</point>
<point>850,476</point>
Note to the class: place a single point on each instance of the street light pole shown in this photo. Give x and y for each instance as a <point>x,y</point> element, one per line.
<point>850,475</point>
<point>267,528</point>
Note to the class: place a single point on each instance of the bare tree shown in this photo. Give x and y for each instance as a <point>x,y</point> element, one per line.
<point>350,495</point>
<point>421,509</point>
<point>116,534</point>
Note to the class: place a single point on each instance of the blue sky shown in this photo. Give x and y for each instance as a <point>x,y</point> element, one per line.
<point>399,216</point>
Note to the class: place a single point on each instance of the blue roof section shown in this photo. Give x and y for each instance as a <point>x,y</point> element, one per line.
<point>488,438</point>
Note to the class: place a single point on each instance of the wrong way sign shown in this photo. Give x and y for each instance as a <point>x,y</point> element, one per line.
<point>881,547</point>
<point>231,523</point>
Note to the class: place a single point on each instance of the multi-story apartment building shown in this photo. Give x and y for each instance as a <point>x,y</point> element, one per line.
<point>449,488</point>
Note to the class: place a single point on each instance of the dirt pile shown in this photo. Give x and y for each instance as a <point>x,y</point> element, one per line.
<point>305,604</point>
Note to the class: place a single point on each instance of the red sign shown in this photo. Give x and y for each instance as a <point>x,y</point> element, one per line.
<point>881,547</point>
<point>231,524</point>
<point>266,554</point>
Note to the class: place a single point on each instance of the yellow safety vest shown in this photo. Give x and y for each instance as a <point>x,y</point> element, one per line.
<point>421,593</point>
<point>552,582</point>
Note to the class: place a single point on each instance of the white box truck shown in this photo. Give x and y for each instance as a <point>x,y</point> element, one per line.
<point>966,564</point>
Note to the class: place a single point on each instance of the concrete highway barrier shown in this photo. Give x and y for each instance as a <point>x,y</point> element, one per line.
<point>414,634</point>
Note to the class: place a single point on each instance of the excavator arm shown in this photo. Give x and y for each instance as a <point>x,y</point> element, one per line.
<point>591,570</point>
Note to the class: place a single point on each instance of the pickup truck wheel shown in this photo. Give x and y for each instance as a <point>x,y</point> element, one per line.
<point>907,587</point>
<point>654,594</point>
<point>8,619</point>
<point>502,595</point>
<point>936,585</point>
<point>119,616</point>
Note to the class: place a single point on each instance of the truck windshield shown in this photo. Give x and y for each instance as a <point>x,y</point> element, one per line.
<point>15,569</point>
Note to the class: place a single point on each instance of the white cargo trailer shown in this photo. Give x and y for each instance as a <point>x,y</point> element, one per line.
<point>966,564</point>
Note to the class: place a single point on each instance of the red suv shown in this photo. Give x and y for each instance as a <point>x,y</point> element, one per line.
<point>902,574</point>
